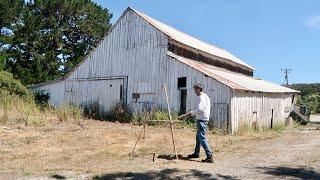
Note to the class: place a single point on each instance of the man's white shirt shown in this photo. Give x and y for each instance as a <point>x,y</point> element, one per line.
<point>202,111</point>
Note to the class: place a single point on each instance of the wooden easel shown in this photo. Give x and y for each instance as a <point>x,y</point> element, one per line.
<point>142,134</point>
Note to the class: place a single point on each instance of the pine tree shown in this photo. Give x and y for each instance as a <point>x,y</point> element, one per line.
<point>50,37</point>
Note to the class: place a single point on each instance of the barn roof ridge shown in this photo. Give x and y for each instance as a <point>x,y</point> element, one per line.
<point>191,41</point>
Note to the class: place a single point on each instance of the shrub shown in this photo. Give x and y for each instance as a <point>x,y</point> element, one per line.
<point>41,99</point>
<point>93,110</point>
<point>120,113</point>
<point>12,86</point>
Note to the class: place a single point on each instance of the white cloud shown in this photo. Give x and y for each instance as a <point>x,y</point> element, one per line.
<point>313,23</point>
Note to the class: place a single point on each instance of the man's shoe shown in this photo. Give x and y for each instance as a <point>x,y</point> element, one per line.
<point>207,160</point>
<point>193,156</point>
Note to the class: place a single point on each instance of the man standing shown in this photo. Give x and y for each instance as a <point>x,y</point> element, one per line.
<point>202,114</point>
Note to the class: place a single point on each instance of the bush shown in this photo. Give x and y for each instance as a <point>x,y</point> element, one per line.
<point>12,86</point>
<point>312,101</point>
<point>16,100</point>
<point>41,99</point>
<point>93,110</point>
<point>120,113</point>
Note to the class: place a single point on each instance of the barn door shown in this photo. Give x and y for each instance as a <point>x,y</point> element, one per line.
<point>111,93</point>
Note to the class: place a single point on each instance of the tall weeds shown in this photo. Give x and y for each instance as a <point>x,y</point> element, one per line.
<point>17,110</point>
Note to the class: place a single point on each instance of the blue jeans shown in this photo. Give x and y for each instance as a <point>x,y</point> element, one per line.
<point>201,138</point>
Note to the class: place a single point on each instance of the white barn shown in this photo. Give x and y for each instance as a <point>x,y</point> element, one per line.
<point>139,54</point>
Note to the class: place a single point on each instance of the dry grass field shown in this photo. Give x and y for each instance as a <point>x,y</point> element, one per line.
<point>86,149</point>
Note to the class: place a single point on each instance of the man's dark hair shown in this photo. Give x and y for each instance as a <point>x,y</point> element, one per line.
<point>197,86</point>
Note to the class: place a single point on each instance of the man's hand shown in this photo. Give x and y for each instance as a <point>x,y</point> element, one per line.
<point>184,116</point>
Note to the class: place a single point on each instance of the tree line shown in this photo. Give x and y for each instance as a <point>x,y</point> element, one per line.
<point>42,40</point>
<point>310,96</point>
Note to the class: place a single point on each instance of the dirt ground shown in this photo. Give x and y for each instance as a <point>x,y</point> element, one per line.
<point>100,150</point>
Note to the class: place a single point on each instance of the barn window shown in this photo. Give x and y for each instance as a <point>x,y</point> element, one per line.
<point>182,82</point>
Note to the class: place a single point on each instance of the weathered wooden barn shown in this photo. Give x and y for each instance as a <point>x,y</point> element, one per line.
<point>139,54</point>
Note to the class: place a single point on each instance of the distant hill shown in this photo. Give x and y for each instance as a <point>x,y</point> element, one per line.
<point>306,88</point>
<point>310,95</point>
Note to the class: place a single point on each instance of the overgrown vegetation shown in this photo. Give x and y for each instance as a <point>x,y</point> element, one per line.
<point>157,114</point>
<point>93,110</point>
<point>11,86</point>
<point>120,113</point>
<point>247,130</point>
<point>124,114</point>
<point>67,112</point>
<point>20,106</point>
<point>42,99</point>
<point>310,96</point>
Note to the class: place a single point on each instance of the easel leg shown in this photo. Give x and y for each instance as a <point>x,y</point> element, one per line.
<point>144,130</point>
<point>171,123</point>
<point>139,137</point>
<point>173,142</point>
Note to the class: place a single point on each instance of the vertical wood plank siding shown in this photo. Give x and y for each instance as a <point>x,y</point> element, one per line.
<point>56,91</point>
<point>244,104</point>
<point>133,49</point>
<point>136,52</point>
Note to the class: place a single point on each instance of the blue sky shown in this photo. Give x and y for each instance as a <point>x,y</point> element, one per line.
<point>268,35</point>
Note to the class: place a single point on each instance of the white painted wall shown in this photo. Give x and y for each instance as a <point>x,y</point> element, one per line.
<point>56,91</point>
<point>243,104</point>
<point>106,92</point>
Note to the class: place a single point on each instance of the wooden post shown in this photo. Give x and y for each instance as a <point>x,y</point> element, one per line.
<point>170,118</point>
<point>153,157</point>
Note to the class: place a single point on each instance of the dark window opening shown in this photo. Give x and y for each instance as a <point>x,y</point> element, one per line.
<point>182,82</point>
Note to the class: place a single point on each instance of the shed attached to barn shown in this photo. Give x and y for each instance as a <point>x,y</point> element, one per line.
<point>139,54</point>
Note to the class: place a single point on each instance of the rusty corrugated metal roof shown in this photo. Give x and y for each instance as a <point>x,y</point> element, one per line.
<point>234,80</point>
<point>191,41</point>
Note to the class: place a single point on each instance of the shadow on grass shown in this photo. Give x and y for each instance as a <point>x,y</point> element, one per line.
<point>299,173</point>
<point>165,174</point>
